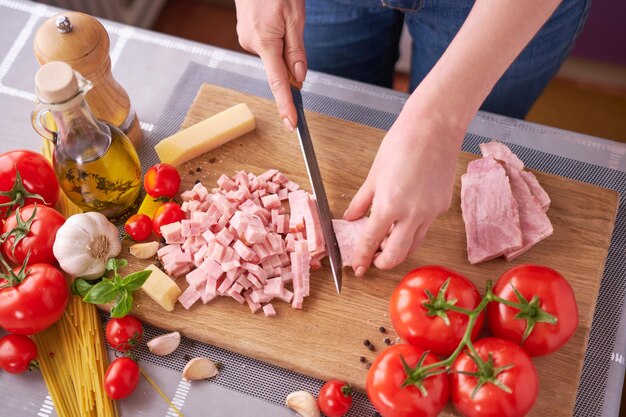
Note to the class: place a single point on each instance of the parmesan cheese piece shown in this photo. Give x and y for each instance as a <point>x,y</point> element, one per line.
<point>161,288</point>
<point>206,135</point>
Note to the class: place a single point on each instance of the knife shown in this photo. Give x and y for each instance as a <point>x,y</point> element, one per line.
<point>317,185</point>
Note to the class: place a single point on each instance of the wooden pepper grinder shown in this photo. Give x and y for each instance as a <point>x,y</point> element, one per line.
<point>82,42</point>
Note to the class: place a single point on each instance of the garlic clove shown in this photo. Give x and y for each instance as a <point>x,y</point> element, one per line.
<point>303,403</point>
<point>144,250</point>
<point>165,344</point>
<point>199,368</point>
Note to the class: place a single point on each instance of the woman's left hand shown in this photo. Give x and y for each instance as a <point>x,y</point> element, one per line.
<point>409,184</point>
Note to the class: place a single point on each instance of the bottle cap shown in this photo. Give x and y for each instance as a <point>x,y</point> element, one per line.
<point>56,82</point>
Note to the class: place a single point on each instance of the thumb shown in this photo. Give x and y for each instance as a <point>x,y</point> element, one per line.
<point>360,204</point>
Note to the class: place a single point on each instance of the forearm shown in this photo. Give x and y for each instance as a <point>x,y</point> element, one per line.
<point>493,35</point>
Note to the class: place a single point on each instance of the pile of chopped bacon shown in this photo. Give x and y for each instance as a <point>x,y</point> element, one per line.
<point>238,240</point>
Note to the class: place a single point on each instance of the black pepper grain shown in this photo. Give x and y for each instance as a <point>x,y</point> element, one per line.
<point>198,169</point>
<point>212,160</point>
<point>387,341</point>
<point>196,182</point>
<point>191,172</point>
<point>362,359</point>
<point>371,347</point>
<point>366,342</point>
<point>382,329</point>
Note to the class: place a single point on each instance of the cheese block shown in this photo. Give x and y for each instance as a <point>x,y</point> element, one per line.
<point>206,135</point>
<point>161,288</point>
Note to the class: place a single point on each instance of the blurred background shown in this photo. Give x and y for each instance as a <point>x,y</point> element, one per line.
<point>588,95</point>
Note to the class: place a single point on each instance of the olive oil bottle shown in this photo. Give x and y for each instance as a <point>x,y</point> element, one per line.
<point>95,163</point>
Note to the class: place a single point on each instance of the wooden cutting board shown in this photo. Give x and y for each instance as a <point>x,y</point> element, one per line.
<point>325,339</point>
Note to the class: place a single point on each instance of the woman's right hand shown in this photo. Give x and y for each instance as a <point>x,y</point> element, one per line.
<point>274,30</point>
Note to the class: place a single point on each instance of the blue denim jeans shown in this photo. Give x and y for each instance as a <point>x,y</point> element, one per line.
<point>358,39</point>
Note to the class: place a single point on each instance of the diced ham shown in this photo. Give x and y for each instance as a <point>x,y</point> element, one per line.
<point>274,287</point>
<point>292,186</point>
<point>254,307</point>
<point>490,211</point>
<point>244,252</point>
<point>167,249</point>
<point>268,310</point>
<point>269,174</point>
<point>224,237</point>
<point>172,233</point>
<point>259,296</point>
<point>225,183</point>
<point>189,297</point>
<point>255,232</point>
<point>283,194</point>
<point>285,295</point>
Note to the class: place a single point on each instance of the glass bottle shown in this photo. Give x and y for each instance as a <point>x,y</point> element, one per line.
<point>95,163</point>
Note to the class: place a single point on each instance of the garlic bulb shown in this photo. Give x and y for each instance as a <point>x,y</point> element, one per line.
<point>84,244</point>
<point>303,403</point>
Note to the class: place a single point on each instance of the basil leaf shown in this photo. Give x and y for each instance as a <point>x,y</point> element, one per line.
<point>114,264</point>
<point>123,304</point>
<point>101,293</point>
<point>81,287</point>
<point>135,280</point>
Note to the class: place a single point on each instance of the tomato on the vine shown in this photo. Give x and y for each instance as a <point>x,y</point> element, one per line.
<point>121,378</point>
<point>509,368</point>
<point>34,298</point>
<point>551,314</point>
<point>166,214</point>
<point>26,177</point>
<point>32,232</point>
<point>422,319</point>
<point>420,397</point>
<point>335,398</point>
<point>124,333</point>
<point>17,353</point>
<point>138,227</point>
<point>162,180</point>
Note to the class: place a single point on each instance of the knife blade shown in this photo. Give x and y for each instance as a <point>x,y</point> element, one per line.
<point>318,189</point>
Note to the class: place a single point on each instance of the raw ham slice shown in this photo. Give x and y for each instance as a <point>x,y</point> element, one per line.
<point>536,189</point>
<point>490,211</point>
<point>348,236</point>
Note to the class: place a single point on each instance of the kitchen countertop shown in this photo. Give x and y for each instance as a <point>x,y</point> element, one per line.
<point>149,65</point>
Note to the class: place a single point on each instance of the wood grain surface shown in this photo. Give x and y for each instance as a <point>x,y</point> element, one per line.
<point>325,339</point>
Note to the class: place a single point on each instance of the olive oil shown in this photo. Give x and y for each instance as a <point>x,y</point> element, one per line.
<point>108,183</point>
<point>95,163</point>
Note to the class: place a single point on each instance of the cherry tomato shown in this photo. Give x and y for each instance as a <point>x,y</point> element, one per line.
<point>38,179</point>
<point>138,227</point>
<point>162,180</point>
<point>166,214</point>
<point>490,400</point>
<point>385,379</point>
<point>121,378</point>
<point>36,302</point>
<point>409,309</point>
<point>124,333</point>
<point>556,297</point>
<point>335,398</point>
<point>17,353</point>
<point>34,234</point>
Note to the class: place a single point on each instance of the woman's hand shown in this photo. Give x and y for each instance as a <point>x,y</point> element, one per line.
<point>409,184</point>
<point>274,30</point>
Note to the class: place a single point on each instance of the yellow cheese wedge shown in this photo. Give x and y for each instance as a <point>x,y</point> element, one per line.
<point>206,135</point>
<point>161,288</point>
<point>149,206</point>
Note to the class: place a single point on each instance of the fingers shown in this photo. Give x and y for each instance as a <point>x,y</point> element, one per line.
<point>360,204</point>
<point>272,56</point>
<point>420,234</point>
<point>397,246</point>
<point>294,53</point>
<point>376,228</point>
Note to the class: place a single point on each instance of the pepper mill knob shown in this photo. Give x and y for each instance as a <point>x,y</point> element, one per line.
<point>63,24</point>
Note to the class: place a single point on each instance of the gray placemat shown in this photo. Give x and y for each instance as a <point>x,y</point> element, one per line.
<point>273,383</point>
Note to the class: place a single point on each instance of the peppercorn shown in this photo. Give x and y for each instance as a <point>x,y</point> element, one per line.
<point>198,169</point>
<point>191,172</point>
<point>371,347</point>
<point>362,359</point>
<point>387,341</point>
<point>366,342</point>
<point>382,329</point>
<point>196,182</point>
<point>212,160</point>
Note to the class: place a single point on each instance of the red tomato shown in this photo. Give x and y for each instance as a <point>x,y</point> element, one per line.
<point>162,180</point>
<point>138,227</point>
<point>124,333</point>
<point>35,303</point>
<point>490,400</point>
<point>166,214</point>
<point>121,378</point>
<point>17,353</point>
<point>410,315</point>
<point>335,398</point>
<point>36,237</point>
<point>556,297</point>
<point>386,376</point>
<point>37,175</point>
